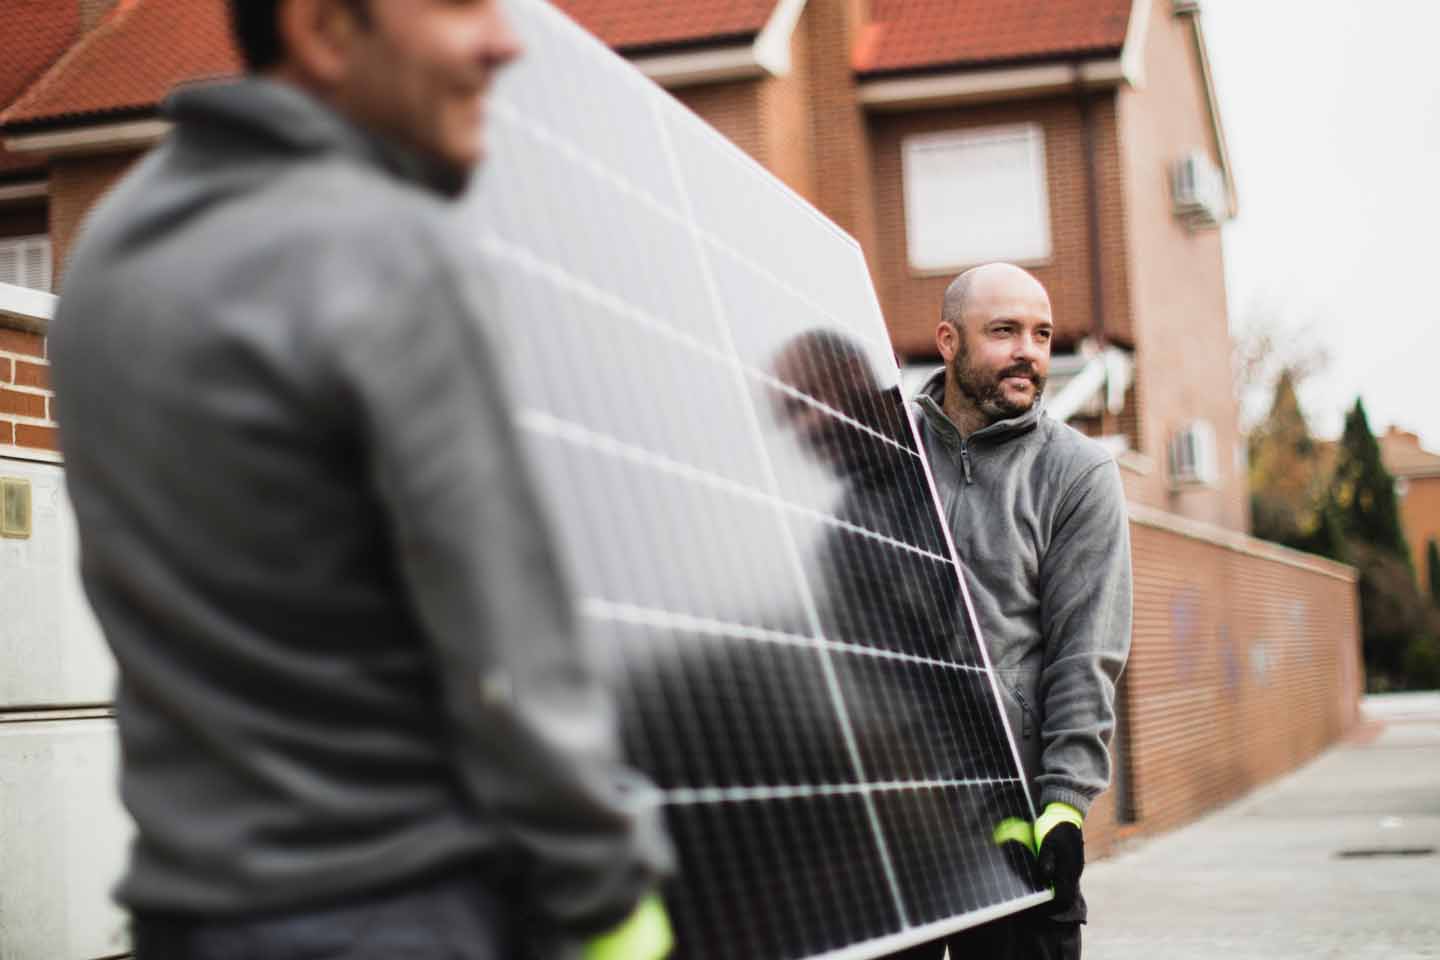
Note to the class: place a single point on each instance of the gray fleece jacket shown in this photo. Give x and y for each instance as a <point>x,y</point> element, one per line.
<point>1039,520</point>
<point>348,657</point>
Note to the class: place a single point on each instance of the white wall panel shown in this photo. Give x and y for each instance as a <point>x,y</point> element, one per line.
<point>51,649</point>
<point>63,840</point>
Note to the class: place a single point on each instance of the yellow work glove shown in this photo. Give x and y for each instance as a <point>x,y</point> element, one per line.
<point>1060,863</point>
<point>644,936</point>
<point>1060,851</point>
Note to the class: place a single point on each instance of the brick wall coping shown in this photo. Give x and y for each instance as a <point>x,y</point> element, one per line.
<point>1240,543</point>
<point>24,309</point>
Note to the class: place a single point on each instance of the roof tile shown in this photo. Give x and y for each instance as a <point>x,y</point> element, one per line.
<point>632,24</point>
<point>909,35</point>
<point>131,60</point>
<point>145,47</point>
<point>37,33</point>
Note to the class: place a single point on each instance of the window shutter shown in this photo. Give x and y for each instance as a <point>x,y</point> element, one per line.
<point>26,262</point>
<point>9,262</point>
<point>37,270</point>
<point>973,196</point>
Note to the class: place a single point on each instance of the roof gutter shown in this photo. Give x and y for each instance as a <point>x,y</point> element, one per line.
<point>98,138</point>
<point>768,54</point>
<point>978,86</point>
<point>29,190</point>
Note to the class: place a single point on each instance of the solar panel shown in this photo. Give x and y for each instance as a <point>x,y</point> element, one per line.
<point>708,396</point>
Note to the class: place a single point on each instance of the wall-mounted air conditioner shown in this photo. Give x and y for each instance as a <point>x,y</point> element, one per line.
<point>1193,458</point>
<point>1198,188</point>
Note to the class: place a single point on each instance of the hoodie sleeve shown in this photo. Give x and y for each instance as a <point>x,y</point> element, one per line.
<point>533,729</point>
<point>1085,598</point>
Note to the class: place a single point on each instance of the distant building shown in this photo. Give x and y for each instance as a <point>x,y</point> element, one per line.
<point>1417,481</point>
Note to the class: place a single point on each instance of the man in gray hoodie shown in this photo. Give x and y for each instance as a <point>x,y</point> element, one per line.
<point>356,717</point>
<point>1038,516</point>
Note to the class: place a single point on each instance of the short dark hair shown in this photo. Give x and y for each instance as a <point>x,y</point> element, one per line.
<point>257,30</point>
<point>257,33</point>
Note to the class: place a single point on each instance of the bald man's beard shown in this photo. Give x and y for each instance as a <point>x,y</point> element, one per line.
<point>982,388</point>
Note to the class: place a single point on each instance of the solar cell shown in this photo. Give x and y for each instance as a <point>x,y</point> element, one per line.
<point>705,387</point>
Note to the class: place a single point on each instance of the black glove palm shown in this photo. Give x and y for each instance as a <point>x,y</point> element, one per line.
<point>1061,861</point>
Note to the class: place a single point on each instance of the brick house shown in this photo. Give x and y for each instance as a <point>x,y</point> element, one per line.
<point>1079,137</point>
<point>1084,143</point>
<point>1417,480</point>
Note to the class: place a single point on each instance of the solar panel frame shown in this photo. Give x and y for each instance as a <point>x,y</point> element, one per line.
<point>665,418</point>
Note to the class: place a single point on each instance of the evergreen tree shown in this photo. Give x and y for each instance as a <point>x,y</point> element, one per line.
<point>1432,562</point>
<point>1362,491</point>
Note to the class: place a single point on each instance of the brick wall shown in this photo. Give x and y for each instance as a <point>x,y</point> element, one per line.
<point>25,395</point>
<point>785,105</point>
<point>1177,281</point>
<point>733,108</point>
<point>1245,664</point>
<point>912,301</point>
<point>76,183</point>
<point>26,418</point>
<point>837,127</point>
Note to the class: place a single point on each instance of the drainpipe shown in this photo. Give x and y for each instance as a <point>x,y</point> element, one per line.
<point>1092,208</point>
<point>1086,102</point>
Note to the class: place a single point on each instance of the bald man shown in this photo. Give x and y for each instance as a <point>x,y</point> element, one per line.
<point>1039,520</point>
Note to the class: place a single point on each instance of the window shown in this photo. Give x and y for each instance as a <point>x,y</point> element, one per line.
<point>976,196</point>
<point>25,262</point>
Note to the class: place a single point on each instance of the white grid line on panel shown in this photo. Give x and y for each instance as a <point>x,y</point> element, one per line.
<point>514,254</point>
<point>794,292</point>
<point>494,245</point>
<point>688,796</point>
<point>597,609</point>
<point>812,613</point>
<point>788,390</point>
<point>509,113</point>
<point>546,424</point>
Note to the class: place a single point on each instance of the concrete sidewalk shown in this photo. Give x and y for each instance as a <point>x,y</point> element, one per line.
<point>1268,877</point>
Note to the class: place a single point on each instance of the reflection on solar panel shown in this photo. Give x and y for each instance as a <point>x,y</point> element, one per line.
<point>710,401</point>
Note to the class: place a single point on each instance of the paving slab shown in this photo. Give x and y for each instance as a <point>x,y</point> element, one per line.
<point>1337,860</point>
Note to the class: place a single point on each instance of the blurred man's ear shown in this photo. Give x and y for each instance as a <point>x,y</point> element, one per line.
<point>947,339</point>
<point>317,37</point>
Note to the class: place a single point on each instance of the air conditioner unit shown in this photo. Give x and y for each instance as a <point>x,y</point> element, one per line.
<point>1193,458</point>
<point>1199,191</point>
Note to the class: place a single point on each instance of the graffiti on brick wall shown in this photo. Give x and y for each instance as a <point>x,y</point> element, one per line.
<point>1185,615</point>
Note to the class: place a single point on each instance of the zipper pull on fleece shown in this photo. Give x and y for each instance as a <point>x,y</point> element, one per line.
<point>965,462</point>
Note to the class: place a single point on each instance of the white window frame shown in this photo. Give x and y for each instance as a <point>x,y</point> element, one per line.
<point>919,216</point>
<point>28,249</point>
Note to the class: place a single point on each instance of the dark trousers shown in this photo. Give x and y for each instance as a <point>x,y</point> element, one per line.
<point>455,917</point>
<point>1035,934</point>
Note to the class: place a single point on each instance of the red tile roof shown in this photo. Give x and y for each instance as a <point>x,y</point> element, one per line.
<point>144,47</point>
<point>130,61</point>
<point>37,32</point>
<point>635,24</point>
<point>908,35</point>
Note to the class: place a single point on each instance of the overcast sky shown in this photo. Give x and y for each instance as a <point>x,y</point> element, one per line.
<point>1332,111</point>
